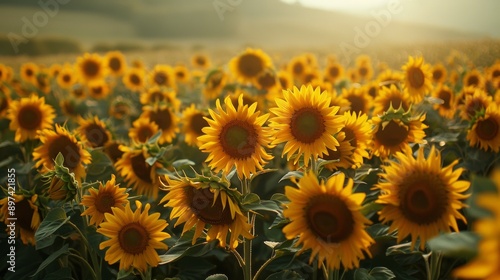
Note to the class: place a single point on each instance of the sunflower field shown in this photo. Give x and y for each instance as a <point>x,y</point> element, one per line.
<point>256,167</point>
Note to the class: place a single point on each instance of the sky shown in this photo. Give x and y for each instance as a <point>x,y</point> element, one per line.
<point>479,16</point>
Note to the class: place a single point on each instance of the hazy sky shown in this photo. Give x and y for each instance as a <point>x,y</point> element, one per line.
<point>479,16</point>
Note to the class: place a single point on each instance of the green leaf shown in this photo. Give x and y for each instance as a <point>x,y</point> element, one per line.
<point>52,222</point>
<point>280,198</point>
<point>217,277</point>
<point>371,208</point>
<point>63,273</point>
<point>382,273</point>
<point>404,248</point>
<point>292,174</point>
<point>153,139</point>
<point>250,198</point>
<point>179,164</point>
<point>362,274</point>
<point>184,248</point>
<point>123,274</point>
<point>59,159</point>
<point>456,244</point>
<point>264,205</point>
<point>285,274</point>
<point>64,250</point>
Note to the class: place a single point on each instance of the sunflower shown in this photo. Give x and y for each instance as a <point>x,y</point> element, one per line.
<point>196,204</point>
<point>214,83</point>
<point>358,132</point>
<point>306,122</point>
<point>98,89</point>
<point>163,75</point>
<point>112,150</point>
<point>137,172</point>
<point>115,63</point>
<point>417,78</point>
<point>310,76</point>
<point>485,264</point>
<point>333,72</point>
<point>142,129</point>
<point>360,101</point>
<point>327,219</point>
<point>200,61</point>
<point>474,103</point>
<point>285,79</point>
<point>371,88</point>
<point>3,72</point>
<point>474,78</point>
<point>79,92</point>
<point>29,71</point>
<point>420,197</point>
<point>485,129</point>
<point>364,68</point>
<point>339,101</point>
<point>344,154</point>
<point>66,77</point>
<point>165,118</point>
<point>134,79</point>
<point>27,217</point>
<point>236,138</point>
<point>93,132</point>
<point>493,71</point>
<point>134,236</point>
<point>389,77</point>
<point>5,100</point>
<point>42,82</point>
<point>391,97</point>
<point>121,108</point>
<point>267,81</point>
<point>69,108</point>
<point>100,201</point>
<point>181,74</point>
<point>447,108</point>
<point>90,67</point>
<point>158,94</point>
<point>61,141</point>
<point>394,130</point>
<point>438,73</point>
<point>29,115</point>
<point>54,70</point>
<point>297,67</point>
<point>193,121</point>
<point>248,65</point>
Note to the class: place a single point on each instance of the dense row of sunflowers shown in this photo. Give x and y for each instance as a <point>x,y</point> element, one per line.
<point>325,172</point>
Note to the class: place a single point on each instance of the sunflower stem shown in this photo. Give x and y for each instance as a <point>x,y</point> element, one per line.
<point>247,243</point>
<point>315,269</point>
<point>262,267</point>
<point>435,266</point>
<point>93,256</point>
<point>86,264</point>
<point>147,274</point>
<point>314,166</point>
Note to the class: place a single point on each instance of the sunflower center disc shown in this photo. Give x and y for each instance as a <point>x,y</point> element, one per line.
<point>266,81</point>
<point>104,202</point>
<point>487,129</point>
<point>24,214</point>
<point>307,125</point>
<point>207,211</point>
<point>250,65</point>
<point>66,78</point>
<point>141,169</point>
<point>392,135</point>
<point>473,81</point>
<point>144,133</point>
<point>29,117</point>
<point>70,151</point>
<point>134,79</point>
<point>96,135</point>
<point>91,68</point>
<point>160,78</point>
<point>115,64</point>
<point>162,118</point>
<point>424,199</point>
<point>238,139</point>
<point>329,218</point>
<point>445,95</point>
<point>334,72</point>
<point>416,77</point>
<point>133,238</point>
<point>198,123</point>
<point>436,75</point>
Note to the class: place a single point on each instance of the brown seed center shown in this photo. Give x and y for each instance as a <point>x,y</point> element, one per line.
<point>133,238</point>
<point>487,129</point>
<point>238,139</point>
<point>307,125</point>
<point>30,117</point>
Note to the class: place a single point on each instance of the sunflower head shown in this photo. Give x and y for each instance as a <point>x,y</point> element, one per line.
<point>193,122</point>
<point>98,88</point>
<point>391,97</point>
<point>248,65</point>
<point>90,67</point>
<point>215,81</point>
<point>474,78</point>
<point>29,71</point>
<point>326,218</point>
<point>421,198</point>
<point>142,129</point>
<point>66,77</point>
<point>163,76</point>
<point>200,61</point>
<point>28,217</point>
<point>165,118</point>
<point>485,129</point>
<point>134,79</point>
<point>115,63</point>
<point>133,236</point>
<point>439,73</point>
<point>207,202</point>
<point>417,78</point>
<point>306,122</point>
<point>93,132</point>
<point>62,184</point>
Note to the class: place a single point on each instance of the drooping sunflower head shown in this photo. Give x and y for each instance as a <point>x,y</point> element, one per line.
<point>485,129</point>
<point>102,200</point>
<point>93,132</point>
<point>249,64</point>
<point>28,116</point>
<point>394,130</point>
<point>134,79</point>
<point>391,97</point>
<point>142,129</point>
<point>417,78</point>
<point>61,141</point>
<point>195,203</point>
<point>193,122</point>
<point>27,216</point>
<point>90,67</point>
<point>420,197</point>
<point>61,184</point>
<point>115,63</point>
<point>134,237</point>
<point>326,218</point>
<point>163,76</point>
<point>235,137</point>
<point>165,117</point>
<point>306,122</point>
<point>439,73</point>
